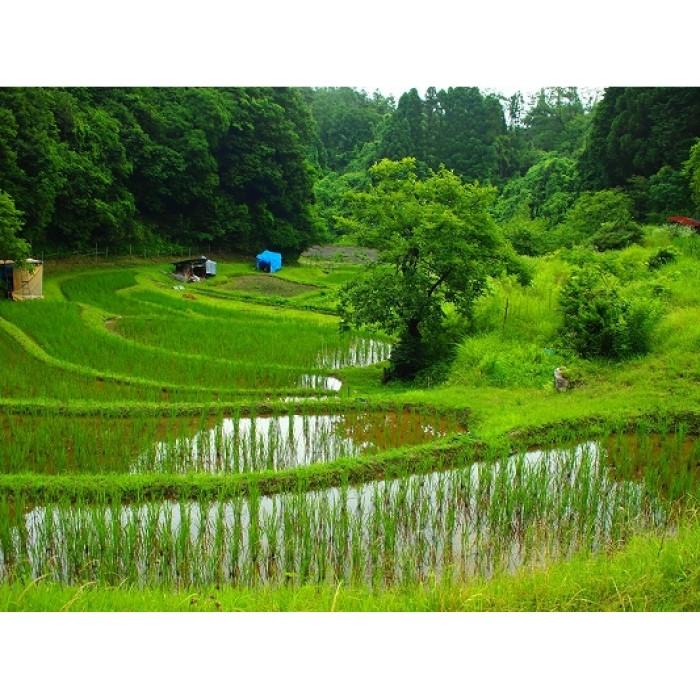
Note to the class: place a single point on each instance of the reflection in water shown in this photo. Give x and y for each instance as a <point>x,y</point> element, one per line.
<point>362,352</point>
<point>281,442</point>
<point>470,521</point>
<point>320,382</point>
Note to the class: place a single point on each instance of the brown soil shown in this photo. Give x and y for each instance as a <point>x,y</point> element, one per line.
<point>264,283</point>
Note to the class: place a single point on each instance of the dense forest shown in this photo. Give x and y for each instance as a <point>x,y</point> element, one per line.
<point>240,168</point>
<point>561,166</point>
<point>115,167</point>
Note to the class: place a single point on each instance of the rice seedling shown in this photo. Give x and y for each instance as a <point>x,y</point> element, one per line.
<point>275,442</point>
<point>475,520</point>
<point>62,332</point>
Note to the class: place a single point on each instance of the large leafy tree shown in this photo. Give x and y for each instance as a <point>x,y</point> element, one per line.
<point>438,243</point>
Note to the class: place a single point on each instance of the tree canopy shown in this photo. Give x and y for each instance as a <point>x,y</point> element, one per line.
<point>346,120</point>
<point>437,242</point>
<point>12,247</point>
<point>636,131</point>
<point>457,127</point>
<point>112,166</point>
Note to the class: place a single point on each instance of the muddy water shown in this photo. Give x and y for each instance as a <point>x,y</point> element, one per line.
<point>472,521</point>
<point>244,444</point>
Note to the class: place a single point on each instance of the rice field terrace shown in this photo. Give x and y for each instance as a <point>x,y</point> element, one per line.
<point>228,435</point>
<point>475,519</point>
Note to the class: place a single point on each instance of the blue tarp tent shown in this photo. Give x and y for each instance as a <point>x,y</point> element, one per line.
<point>267,261</point>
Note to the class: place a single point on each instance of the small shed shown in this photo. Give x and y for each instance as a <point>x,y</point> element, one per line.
<point>22,282</point>
<point>267,261</point>
<point>201,267</point>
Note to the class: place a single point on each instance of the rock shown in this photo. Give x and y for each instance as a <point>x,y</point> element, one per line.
<point>561,382</point>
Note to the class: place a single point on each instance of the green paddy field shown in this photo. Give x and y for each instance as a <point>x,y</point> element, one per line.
<point>225,446</point>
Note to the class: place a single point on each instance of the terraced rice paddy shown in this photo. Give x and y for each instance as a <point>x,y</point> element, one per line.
<point>242,441</point>
<point>117,328</point>
<point>243,444</point>
<point>474,520</point>
<point>179,438</point>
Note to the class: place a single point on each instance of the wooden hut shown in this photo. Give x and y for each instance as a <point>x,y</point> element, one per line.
<point>22,282</point>
<point>200,267</point>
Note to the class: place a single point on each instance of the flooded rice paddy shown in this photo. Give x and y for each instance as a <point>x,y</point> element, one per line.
<point>241,441</point>
<point>320,382</point>
<point>362,352</point>
<point>474,520</point>
<point>244,444</point>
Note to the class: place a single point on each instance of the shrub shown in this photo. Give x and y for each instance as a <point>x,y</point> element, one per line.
<point>669,194</point>
<point>489,360</point>
<point>526,235</point>
<point>665,256</point>
<point>691,169</point>
<point>616,235</point>
<point>599,321</point>
<point>593,210</point>
<point>579,256</point>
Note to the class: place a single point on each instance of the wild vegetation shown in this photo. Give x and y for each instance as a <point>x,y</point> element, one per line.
<point>378,431</point>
